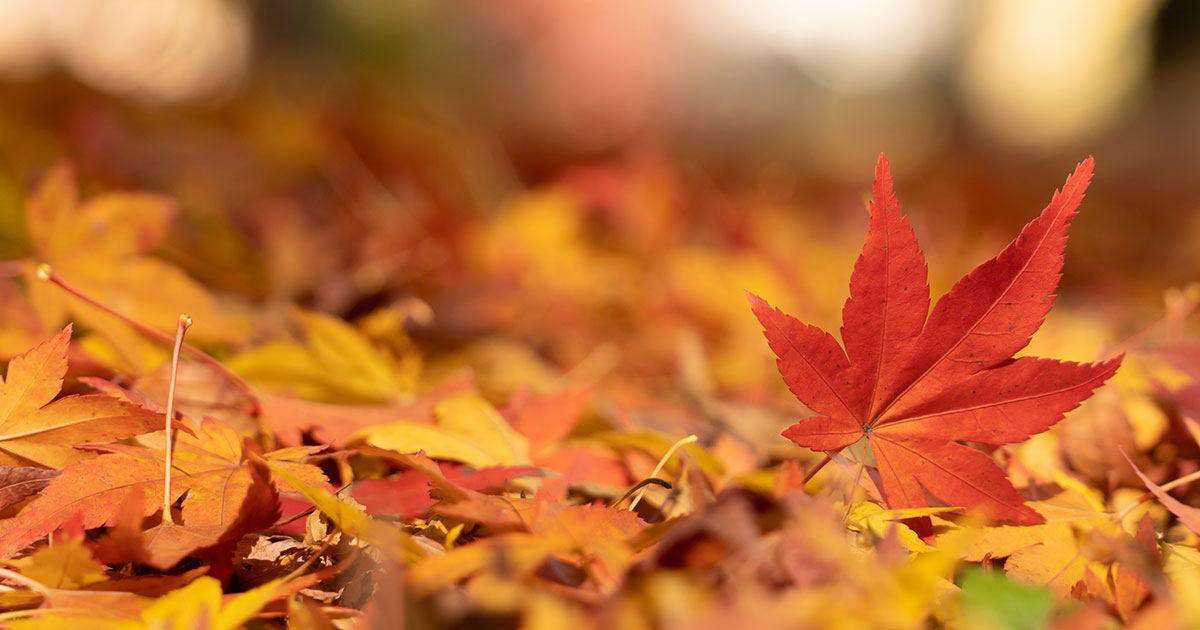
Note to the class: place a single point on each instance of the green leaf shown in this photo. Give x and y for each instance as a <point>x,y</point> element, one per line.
<point>990,601</point>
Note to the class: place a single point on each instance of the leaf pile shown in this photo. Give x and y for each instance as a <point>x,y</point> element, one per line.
<point>561,414</point>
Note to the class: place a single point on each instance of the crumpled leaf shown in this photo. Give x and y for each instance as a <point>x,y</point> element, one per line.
<point>20,482</point>
<point>585,530</point>
<point>353,521</point>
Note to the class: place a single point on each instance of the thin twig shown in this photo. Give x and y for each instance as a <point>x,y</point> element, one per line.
<point>325,545</point>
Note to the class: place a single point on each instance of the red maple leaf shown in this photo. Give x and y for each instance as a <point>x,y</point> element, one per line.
<point>917,383</point>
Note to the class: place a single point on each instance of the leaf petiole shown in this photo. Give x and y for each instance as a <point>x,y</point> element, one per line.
<point>1167,487</point>
<point>46,272</point>
<point>185,322</point>
<point>816,469</point>
<point>661,463</point>
<point>639,486</point>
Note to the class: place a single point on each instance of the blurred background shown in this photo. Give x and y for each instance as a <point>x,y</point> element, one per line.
<point>530,166</point>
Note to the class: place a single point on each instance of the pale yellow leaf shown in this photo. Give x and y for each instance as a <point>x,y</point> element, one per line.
<point>67,564</point>
<point>468,430</point>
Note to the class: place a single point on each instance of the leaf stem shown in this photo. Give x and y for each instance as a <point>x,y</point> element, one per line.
<point>24,613</point>
<point>47,273</point>
<point>27,581</point>
<point>816,469</point>
<point>661,463</point>
<point>1166,487</point>
<point>639,486</point>
<point>180,329</point>
<point>862,464</point>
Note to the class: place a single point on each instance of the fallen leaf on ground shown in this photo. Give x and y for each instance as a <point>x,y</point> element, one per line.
<point>35,430</point>
<point>915,387</point>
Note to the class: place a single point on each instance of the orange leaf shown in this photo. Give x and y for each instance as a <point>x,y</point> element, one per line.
<point>35,430</point>
<point>99,246</point>
<point>249,503</point>
<point>210,467</point>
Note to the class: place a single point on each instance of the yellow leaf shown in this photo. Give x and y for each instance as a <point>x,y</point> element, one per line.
<point>409,437</point>
<point>66,564</point>
<point>385,537</point>
<point>471,415</point>
<point>871,517</point>
<point>199,606</point>
<point>334,363</point>
<point>1182,566</point>
<point>100,247</point>
<point>35,429</point>
<point>468,430</point>
<point>1050,554</point>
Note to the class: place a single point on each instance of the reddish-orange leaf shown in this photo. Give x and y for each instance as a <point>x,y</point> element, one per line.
<point>248,503</point>
<point>211,467</point>
<point>407,494</point>
<point>548,419</point>
<point>457,501</point>
<point>915,386</point>
<point>35,430</point>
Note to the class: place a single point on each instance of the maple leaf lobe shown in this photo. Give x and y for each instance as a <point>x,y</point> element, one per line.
<point>36,428</point>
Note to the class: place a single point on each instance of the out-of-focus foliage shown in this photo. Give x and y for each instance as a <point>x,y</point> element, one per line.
<point>464,277</point>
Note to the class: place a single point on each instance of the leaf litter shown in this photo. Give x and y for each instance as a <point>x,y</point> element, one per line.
<point>511,456</point>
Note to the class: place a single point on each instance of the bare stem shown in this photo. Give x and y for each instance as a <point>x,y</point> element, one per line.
<point>662,462</point>
<point>1166,487</point>
<point>862,464</point>
<point>184,323</point>
<point>27,581</point>
<point>47,273</point>
<point>816,469</point>
<point>640,485</point>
